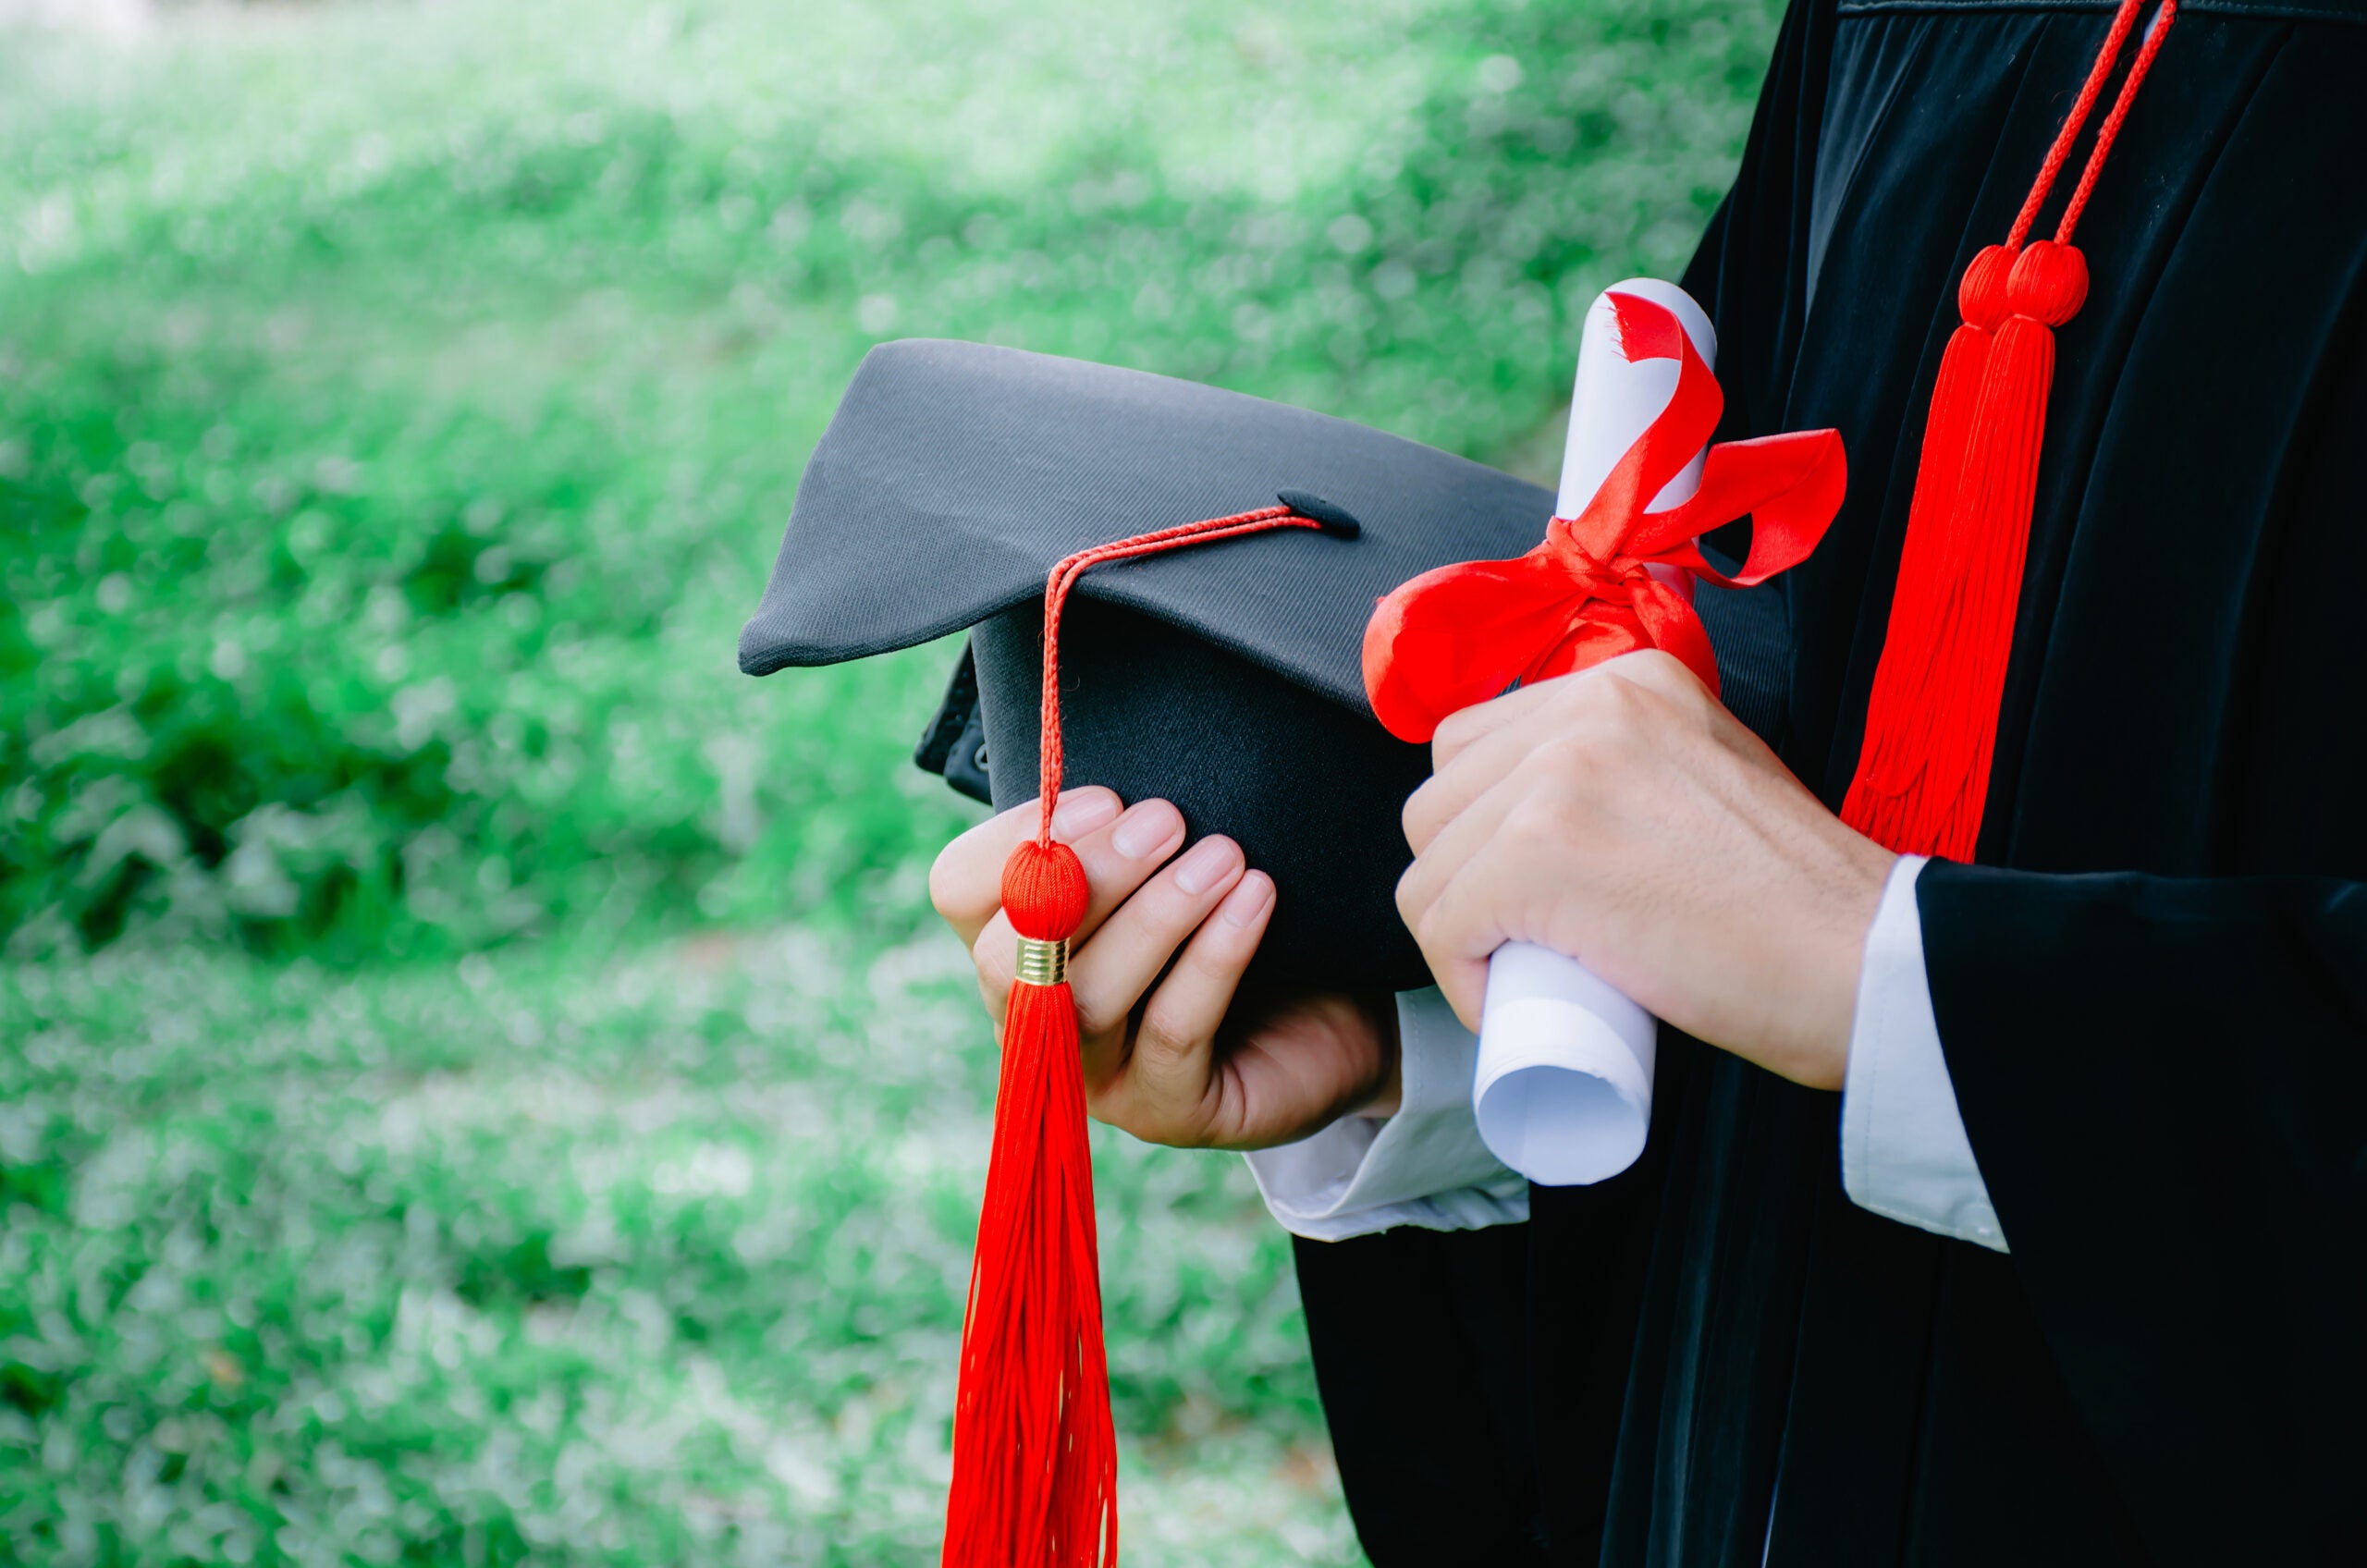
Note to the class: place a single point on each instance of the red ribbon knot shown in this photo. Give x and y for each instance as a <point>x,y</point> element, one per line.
<point>1462,634</point>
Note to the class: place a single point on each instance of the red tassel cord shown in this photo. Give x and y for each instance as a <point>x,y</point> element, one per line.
<point>1035,1454</point>
<point>1922,776</point>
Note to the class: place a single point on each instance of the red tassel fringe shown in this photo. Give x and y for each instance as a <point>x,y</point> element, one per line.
<point>1034,1450</point>
<point>1932,728</point>
<point>1923,778</point>
<point>1035,1455</point>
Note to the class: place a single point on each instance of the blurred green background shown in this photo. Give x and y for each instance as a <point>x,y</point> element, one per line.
<point>477,1082</point>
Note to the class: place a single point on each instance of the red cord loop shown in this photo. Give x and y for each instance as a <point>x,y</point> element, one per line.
<point>2109,131</point>
<point>2123,20</point>
<point>1064,578</point>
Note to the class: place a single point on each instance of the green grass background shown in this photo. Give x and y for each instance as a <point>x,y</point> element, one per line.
<point>476,1082</point>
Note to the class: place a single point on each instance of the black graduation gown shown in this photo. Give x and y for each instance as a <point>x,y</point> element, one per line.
<point>2152,990</point>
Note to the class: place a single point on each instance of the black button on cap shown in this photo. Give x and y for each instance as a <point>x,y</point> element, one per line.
<point>1336,519</point>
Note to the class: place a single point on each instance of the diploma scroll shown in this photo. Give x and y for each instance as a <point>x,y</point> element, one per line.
<point>1564,1088</point>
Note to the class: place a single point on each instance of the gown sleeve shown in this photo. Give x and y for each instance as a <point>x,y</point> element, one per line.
<point>2165,1082</point>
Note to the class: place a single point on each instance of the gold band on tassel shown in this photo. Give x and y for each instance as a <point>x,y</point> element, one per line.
<point>1043,963</point>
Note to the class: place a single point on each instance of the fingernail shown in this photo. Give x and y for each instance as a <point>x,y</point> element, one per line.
<point>1210,863</point>
<point>1245,903</point>
<point>1082,813</point>
<point>1147,826</point>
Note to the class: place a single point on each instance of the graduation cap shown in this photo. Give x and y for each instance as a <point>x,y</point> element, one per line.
<point>1223,677</point>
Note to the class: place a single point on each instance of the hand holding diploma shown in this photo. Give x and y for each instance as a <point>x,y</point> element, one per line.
<point>1623,815</point>
<point>1564,1085</point>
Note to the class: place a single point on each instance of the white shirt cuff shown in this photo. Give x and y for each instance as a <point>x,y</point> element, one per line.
<point>1905,1154</point>
<point>1425,1166</point>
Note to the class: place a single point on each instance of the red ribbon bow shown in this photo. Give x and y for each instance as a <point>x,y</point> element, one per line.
<point>1462,634</point>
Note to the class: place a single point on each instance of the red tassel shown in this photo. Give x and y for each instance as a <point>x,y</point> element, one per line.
<point>1034,1450</point>
<point>1932,728</point>
<point>1897,717</point>
<point>1923,778</point>
<point>1035,1455</point>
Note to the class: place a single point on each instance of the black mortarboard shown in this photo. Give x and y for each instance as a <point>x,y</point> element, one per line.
<point>1224,678</point>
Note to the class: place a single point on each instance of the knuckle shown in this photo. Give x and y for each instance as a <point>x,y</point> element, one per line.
<point>1623,700</point>
<point>1121,1106</point>
<point>1530,825</point>
<point>1409,900</point>
<point>1541,822</point>
<point>1590,709</point>
<point>1093,1018</point>
<point>1570,754</point>
<point>1610,734</point>
<point>1430,932</point>
<point>1572,768</point>
<point>1413,819</point>
<point>944,884</point>
<point>1158,1037</point>
<point>1173,1026</point>
<point>1657,664</point>
<point>1574,689</point>
<point>1675,681</point>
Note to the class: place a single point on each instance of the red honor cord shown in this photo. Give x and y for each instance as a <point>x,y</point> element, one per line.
<point>1922,779</point>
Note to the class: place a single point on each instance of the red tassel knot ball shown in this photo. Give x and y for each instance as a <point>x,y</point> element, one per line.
<point>1044,891</point>
<point>1981,297</point>
<point>2049,283</point>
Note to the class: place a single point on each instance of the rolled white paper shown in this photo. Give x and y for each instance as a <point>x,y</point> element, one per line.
<point>1563,1085</point>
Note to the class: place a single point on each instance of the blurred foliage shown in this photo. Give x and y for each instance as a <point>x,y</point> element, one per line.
<point>397,408</point>
<point>654,1264</point>
<point>398,405</point>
